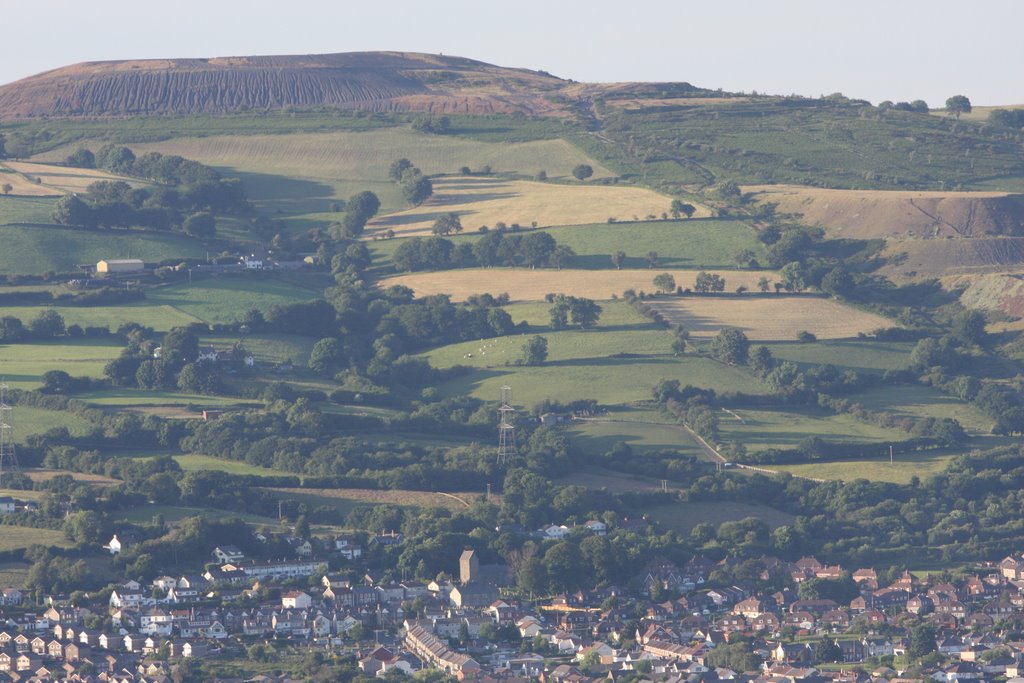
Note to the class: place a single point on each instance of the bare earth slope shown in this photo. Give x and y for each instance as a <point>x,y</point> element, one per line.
<point>376,81</point>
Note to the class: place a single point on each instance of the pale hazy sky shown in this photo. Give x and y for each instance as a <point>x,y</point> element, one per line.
<point>872,49</point>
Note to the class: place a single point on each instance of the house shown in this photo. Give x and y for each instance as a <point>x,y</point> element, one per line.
<point>115,545</point>
<point>597,526</point>
<point>7,504</point>
<point>554,532</point>
<point>228,553</point>
<point>296,600</point>
<point>127,265</point>
<point>348,546</point>
<point>11,597</point>
<point>253,262</point>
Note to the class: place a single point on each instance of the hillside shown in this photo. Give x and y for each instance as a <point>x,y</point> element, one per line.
<point>895,214</point>
<point>373,81</point>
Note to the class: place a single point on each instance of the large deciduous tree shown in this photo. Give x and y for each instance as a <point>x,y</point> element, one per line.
<point>957,105</point>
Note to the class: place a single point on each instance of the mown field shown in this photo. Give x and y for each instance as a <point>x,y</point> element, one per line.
<point>22,365</point>
<point>758,430</point>
<point>683,244</point>
<point>523,284</point>
<point>484,201</point>
<point>37,249</point>
<point>24,186</point>
<point>63,179</point>
<point>768,318</point>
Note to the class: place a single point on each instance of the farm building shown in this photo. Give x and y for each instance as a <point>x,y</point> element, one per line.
<point>127,265</point>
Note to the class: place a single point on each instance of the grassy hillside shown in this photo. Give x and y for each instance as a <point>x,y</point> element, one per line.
<point>828,143</point>
<point>617,363</point>
<point>22,365</point>
<point>36,249</point>
<point>300,174</point>
<point>227,298</point>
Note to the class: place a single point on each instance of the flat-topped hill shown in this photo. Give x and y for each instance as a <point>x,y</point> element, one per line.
<point>375,81</point>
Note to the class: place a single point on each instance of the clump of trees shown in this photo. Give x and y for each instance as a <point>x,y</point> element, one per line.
<point>416,187</point>
<point>575,310</point>
<point>582,171</point>
<point>707,283</point>
<point>190,192</point>
<point>494,248</point>
<point>359,209</point>
<point>535,350</point>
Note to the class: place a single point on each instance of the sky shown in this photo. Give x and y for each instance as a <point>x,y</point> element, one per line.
<point>871,49</point>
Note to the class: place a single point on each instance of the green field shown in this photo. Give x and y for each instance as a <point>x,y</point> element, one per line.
<point>907,465</point>
<point>609,381</point>
<point>764,429</point>
<point>682,517</point>
<point>266,347</point>
<point>17,537</point>
<point>30,420</point>
<point>26,209</point>
<point>22,365</point>
<point>920,401</point>
<point>699,243</point>
<point>226,298</point>
<point>862,355</point>
<point>160,317</point>
<point>618,362</point>
<point>195,462</point>
<point>36,249</point>
<point>175,513</point>
<point>299,174</point>
<point>123,397</point>
<point>600,437</point>
<point>695,243</point>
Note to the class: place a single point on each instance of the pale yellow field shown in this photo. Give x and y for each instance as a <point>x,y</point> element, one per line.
<point>485,201</point>
<point>22,186</point>
<point>977,113</point>
<point>531,285</point>
<point>58,180</point>
<point>769,318</point>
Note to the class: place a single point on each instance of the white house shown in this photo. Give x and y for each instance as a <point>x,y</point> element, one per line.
<point>228,553</point>
<point>296,600</point>
<point>115,545</point>
<point>555,531</point>
<point>6,504</point>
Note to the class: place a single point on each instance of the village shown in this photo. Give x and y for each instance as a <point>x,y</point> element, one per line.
<point>671,624</point>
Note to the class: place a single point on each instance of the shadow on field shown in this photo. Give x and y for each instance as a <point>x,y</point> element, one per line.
<point>281,194</point>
